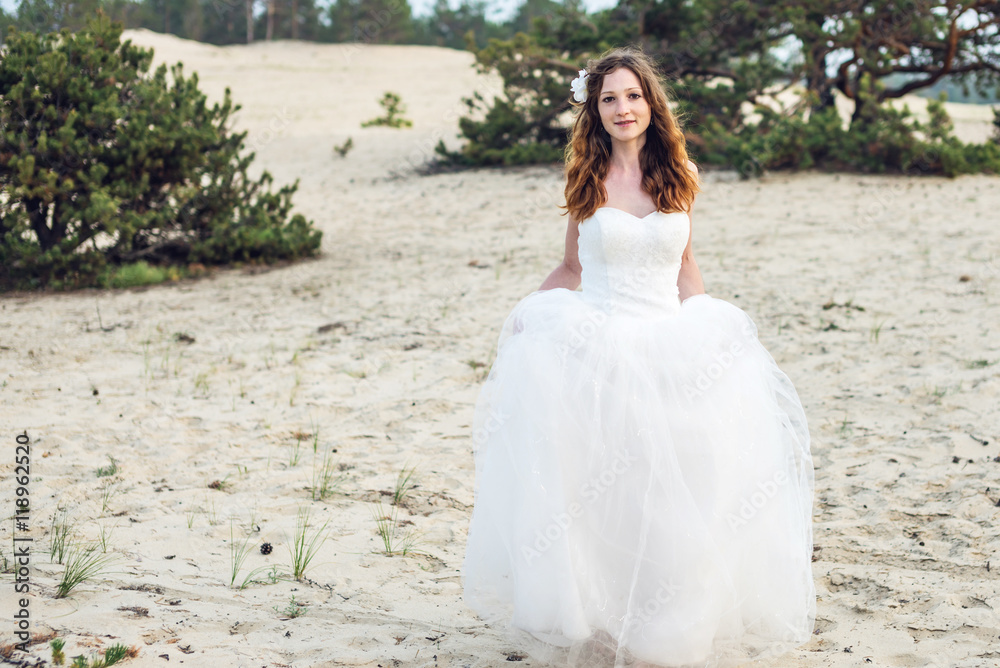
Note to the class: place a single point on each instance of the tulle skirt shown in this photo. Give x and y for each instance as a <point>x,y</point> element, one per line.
<point>643,488</point>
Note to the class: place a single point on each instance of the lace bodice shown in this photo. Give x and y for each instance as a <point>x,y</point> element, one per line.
<point>630,264</point>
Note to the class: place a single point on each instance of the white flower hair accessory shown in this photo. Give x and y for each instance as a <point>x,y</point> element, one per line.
<point>579,86</point>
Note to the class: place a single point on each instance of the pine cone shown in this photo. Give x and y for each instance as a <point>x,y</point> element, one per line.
<point>265,548</point>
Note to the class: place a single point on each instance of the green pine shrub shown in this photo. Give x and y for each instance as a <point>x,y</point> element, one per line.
<point>394,110</point>
<point>109,176</point>
<point>522,127</point>
<point>883,140</point>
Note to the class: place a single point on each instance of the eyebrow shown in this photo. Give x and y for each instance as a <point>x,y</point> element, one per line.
<point>611,91</point>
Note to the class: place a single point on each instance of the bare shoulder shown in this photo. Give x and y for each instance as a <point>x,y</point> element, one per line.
<point>693,167</point>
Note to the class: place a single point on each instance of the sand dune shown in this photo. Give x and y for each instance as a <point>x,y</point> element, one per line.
<point>877,295</point>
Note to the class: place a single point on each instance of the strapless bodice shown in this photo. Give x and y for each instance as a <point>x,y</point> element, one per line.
<point>630,264</point>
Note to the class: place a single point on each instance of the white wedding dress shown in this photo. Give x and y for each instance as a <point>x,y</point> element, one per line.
<point>643,476</point>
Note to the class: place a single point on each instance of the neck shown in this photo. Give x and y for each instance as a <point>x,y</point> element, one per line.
<point>625,155</point>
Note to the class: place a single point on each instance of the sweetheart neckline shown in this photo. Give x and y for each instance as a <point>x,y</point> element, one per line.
<point>637,217</point>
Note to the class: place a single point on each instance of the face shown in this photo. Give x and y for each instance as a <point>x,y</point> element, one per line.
<point>624,110</point>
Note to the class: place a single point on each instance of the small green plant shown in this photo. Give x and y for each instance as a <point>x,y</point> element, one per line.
<point>82,564</point>
<point>293,459</point>
<point>394,108</point>
<point>845,426</point>
<point>404,484</point>
<point>112,655</point>
<point>60,536</point>
<point>201,383</point>
<point>105,471</point>
<point>325,479</point>
<point>304,548</point>
<point>138,273</point>
<point>876,328</point>
<point>293,609</point>
<point>393,541</point>
<point>105,535</point>
<point>238,552</point>
<point>191,515</point>
<point>978,364</point>
<point>57,651</point>
<point>212,514</point>
<point>344,148</point>
<point>221,485</point>
<point>109,490</point>
<point>116,653</point>
<point>295,388</point>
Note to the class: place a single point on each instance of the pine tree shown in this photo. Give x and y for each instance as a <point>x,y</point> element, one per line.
<point>101,165</point>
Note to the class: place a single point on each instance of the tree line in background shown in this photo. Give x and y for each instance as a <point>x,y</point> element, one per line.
<point>720,58</point>
<point>224,22</point>
<point>724,59</point>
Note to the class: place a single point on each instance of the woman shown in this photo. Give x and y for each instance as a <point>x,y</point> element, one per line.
<point>643,474</point>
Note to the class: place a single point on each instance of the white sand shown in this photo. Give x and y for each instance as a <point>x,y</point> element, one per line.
<point>416,277</point>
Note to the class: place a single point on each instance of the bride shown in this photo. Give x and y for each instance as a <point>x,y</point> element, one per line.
<point>643,474</point>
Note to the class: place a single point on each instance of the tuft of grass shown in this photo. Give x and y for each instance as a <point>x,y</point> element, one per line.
<point>212,514</point>
<point>393,540</point>
<point>978,364</point>
<point>304,548</point>
<point>404,483</point>
<point>875,330</point>
<point>60,536</point>
<point>139,273</point>
<point>238,553</point>
<point>344,148</point>
<point>82,564</point>
<point>293,458</point>
<point>106,471</point>
<point>325,479</point>
<point>105,535</point>
<point>109,490</point>
<point>295,388</point>
<point>845,426</point>
<point>201,383</point>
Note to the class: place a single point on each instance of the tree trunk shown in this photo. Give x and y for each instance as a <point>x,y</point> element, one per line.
<point>295,19</point>
<point>249,21</point>
<point>270,20</point>
<point>37,213</point>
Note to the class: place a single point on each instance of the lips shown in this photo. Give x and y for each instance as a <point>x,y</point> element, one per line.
<point>625,123</point>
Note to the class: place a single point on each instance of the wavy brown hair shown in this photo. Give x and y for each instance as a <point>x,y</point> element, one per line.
<point>663,157</point>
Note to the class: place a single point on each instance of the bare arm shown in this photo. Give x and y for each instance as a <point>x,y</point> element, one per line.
<point>567,274</point>
<point>689,281</point>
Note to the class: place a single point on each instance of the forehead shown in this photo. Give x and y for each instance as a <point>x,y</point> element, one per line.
<point>621,79</point>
